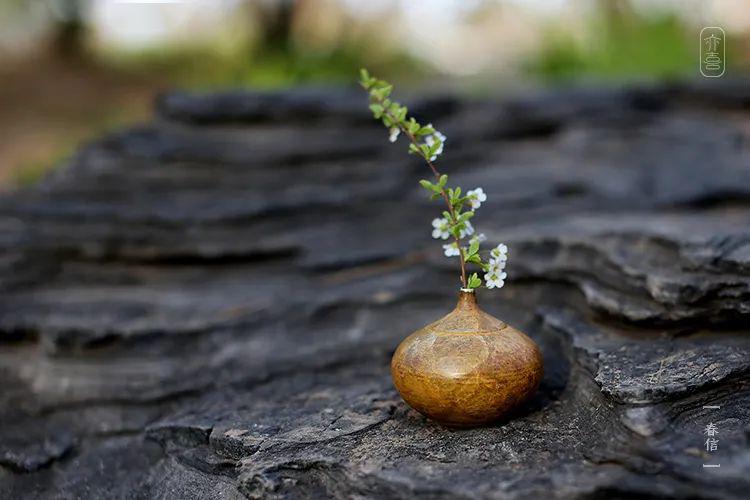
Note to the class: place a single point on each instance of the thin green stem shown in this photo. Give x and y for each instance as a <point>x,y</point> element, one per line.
<point>443,192</point>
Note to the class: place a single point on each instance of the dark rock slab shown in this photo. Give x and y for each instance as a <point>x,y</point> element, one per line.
<point>24,453</point>
<point>205,306</point>
<point>648,370</point>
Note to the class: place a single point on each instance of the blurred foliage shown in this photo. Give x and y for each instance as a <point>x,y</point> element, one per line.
<point>29,172</point>
<point>55,145</point>
<point>270,49</point>
<point>206,66</point>
<point>629,45</point>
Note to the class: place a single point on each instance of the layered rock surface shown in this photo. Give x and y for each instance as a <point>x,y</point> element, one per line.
<point>205,306</point>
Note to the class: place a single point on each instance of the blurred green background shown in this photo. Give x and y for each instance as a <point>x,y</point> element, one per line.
<point>71,69</point>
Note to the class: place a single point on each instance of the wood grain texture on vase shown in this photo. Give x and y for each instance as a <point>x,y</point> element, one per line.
<point>468,368</point>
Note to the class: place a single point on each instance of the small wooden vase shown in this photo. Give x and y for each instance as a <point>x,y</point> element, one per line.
<point>468,368</point>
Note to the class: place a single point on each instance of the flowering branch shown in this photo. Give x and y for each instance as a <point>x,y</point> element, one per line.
<point>414,147</point>
<point>427,143</point>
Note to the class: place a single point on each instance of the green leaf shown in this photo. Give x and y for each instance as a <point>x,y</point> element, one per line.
<point>426,130</point>
<point>364,78</point>
<point>413,149</point>
<point>382,93</point>
<point>436,144</point>
<point>475,259</point>
<point>426,184</point>
<point>377,110</point>
<point>430,186</point>
<point>413,126</point>
<point>443,179</point>
<point>474,281</point>
<point>473,247</point>
<point>458,204</point>
<point>455,198</point>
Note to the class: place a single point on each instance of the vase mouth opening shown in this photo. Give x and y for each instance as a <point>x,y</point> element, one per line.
<point>467,290</point>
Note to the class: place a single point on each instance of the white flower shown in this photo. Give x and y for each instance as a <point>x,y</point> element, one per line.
<point>441,228</point>
<point>476,197</point>
<point>495,276</point>
<point>467,230</point>
<point>494,280</point>
<point>479,238</point>
<point>394,133</point>
<point>451,249</point>
<point>499,253</point>
<point>496,266</point>
<point>431,139</point>
<point>499,263</point>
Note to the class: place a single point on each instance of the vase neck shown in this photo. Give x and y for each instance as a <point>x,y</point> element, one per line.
<point>466,300</point>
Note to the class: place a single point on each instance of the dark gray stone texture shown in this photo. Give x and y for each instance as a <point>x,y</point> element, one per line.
<point>205,306</point>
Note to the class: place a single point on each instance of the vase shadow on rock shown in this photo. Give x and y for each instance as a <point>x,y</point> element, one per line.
<point>467,369</point>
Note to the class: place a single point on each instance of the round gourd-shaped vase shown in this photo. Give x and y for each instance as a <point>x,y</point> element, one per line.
<point>468,368</point>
